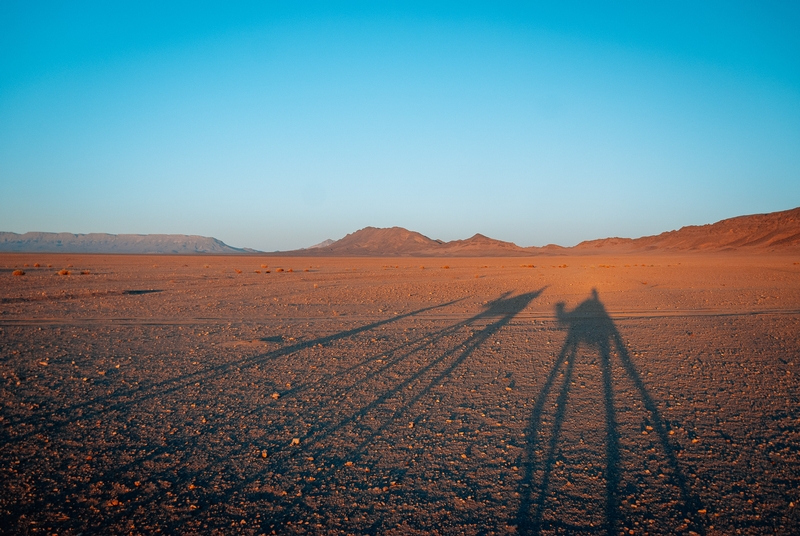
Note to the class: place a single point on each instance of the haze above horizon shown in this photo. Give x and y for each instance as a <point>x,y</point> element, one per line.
<point>278,125</point>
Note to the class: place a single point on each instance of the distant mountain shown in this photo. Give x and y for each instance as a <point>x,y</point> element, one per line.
<point>372,241</point>
<point>399,242</point>
<point>777,231</point>
<point>758,232</point>
<point>483,246</point>
<point>110,243</point>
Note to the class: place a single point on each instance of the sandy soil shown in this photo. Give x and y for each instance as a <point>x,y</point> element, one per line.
<point>490,396</point>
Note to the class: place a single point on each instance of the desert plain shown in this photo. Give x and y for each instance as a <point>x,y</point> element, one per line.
<point>580,394</point>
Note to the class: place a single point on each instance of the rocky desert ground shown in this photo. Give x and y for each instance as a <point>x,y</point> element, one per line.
<point>630,394</point>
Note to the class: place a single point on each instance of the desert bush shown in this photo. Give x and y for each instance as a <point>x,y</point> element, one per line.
<point>64,272</point>
<point>279,270</point>
<point>445,267</point>
<point>18,272</point>
<point>85,272</point>
<point>36,265</point>
<point>264,266</point>
<point>258,271</point>
<point>238,271</point>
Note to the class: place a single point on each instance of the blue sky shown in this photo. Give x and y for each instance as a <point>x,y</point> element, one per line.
<point>278,125</point>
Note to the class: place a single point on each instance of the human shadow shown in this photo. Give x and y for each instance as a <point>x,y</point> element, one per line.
<point>123,401</point>
<point>122,398</point>
<point>590,325</point>
<point>392,404</point>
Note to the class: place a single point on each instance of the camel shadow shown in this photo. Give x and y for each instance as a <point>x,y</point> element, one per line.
<point>590,326</point>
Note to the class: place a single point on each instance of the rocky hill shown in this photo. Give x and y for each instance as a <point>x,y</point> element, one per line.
<point>758,232</point>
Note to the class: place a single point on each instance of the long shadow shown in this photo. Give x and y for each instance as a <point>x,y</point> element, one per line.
<point>499,312</point>
<point>504,309</point>
<point>122,398</point>
<point>495,316</point>
<point>589,324</point>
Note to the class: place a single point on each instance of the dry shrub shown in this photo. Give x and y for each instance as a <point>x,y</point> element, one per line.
<point>64,272</point>
<point>264,266</point>
<point>238,271</point>
<point>85,272</point>
<point>267,271</point>
<point>49,265</point>
<point>306,270</point>
<point>421,267</point>
<point>445,267</point>
<point>258,271</point>
<point>36,265</point>
<point>70,266</point>
<point>27,265</point>
<point>279,270</point>
<point>290,270</point>
<point>18,272</point>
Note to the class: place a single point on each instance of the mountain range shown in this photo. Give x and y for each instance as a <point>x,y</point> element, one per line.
<point>114,243</point>
<point>776,231</point>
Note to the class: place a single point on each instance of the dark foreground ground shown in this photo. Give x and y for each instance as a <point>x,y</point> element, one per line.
<point>176,395</point>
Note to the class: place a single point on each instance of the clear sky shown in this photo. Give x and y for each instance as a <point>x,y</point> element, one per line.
<point>278,125</point>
